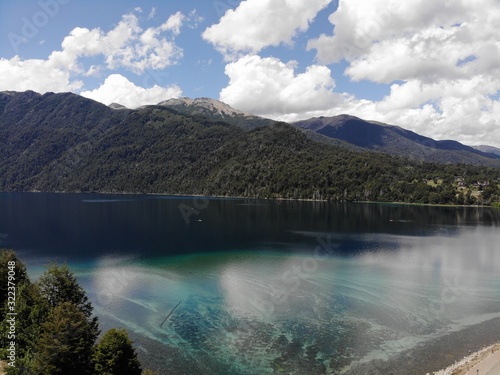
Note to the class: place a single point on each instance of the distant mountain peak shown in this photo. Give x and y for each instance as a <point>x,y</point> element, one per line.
<point>488,149</point>
<point>117,106</point>
<point>215,110</point>
<point>202,105</point>
<point>395,140</point>
<point>8,93</point>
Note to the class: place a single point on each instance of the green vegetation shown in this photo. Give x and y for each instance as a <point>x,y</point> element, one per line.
<point>115,355</point>
<point>56,331</point>
<point>67,143</point>
<point>66,343</point>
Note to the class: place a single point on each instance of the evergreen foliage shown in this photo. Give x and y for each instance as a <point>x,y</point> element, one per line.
<point>115,355</point>
<point>21,277</point>
<point>56,331</point>
<point>59,285</point>
<point>66,343</point>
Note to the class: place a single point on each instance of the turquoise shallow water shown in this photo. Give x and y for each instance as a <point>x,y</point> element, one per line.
<point>294,288</point>
<point>261,311</point>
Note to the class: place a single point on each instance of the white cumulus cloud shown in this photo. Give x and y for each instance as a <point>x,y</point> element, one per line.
<point>269,87</point>
<point>118,89</point>
<point>37,75</point>
<point>441,58</point>
<point>256,24</point>
<point>360,24</point>
<point>127,46</point>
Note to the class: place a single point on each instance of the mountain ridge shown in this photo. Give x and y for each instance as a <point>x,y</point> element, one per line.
<point>396,140</point>
<point>321,128</point>
<point>488,149</point>
<point>334,130</point>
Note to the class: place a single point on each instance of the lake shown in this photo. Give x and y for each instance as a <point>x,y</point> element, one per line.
<point>239,286</point>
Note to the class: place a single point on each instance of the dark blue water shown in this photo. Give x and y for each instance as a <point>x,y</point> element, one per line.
<point>266,287</point>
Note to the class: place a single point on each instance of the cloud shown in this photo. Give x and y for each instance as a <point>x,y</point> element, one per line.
<point>194,19</point>
<point>361,24</point>
<point>118,89</point>
<point>271,88</point>
<point>38,75</point>
<point>417,39</point>
<point>442,60</point>
<point>256,24</point>
<point>446,109</point>
<point>173,23</point>
<point>127,46</point>
<point>152,14</point>
<point>463,109</point>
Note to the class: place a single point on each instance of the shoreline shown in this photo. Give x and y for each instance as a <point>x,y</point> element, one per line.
<point>276,199</point>
<point>468,363</point>
<point>432,356</point>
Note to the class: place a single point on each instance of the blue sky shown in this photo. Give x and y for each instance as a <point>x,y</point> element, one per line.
<point>432,67</point>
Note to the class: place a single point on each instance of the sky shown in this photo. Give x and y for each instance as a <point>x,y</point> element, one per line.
<point>431,66</point>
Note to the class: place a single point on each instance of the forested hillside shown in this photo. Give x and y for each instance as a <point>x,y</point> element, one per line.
<point>63,143</point>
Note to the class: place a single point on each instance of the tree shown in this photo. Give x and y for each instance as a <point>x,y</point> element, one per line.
<point>55,328</point>
<point>66,343</point>
<point>58,285</point>
<point>115,355</point>
<point>18,272</point>
<point>32,310</point>
<point>14,271</point>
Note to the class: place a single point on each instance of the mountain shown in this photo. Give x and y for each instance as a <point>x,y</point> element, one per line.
<point>397,141</point>
<point>488,149</point>
<point>117,106</point>
<point>67,143</point>
<point>215,110</point>
<point>220,111</point>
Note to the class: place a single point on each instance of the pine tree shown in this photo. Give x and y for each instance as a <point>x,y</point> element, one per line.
<point>32,310</point>
<point>66,343</point>
<point>115,355</point>
<point>13,270</point>
<point>58,285</point>
<point>17,271</point>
